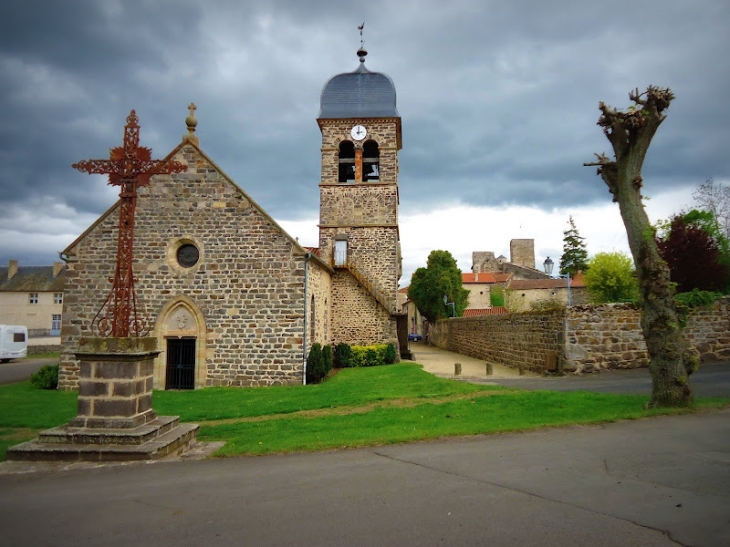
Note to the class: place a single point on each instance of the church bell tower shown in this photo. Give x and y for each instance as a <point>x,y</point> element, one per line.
<point>358,219</point>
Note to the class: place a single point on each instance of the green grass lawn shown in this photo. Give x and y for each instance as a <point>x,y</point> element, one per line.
<point>356,407</point>
<point>54,354</point>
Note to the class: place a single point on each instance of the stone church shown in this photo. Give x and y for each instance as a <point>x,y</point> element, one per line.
<point>234,300</point>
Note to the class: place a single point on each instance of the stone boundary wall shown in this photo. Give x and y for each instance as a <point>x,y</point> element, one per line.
<point>518,340</point>
<point>37,350</point>
<point>583,338</point>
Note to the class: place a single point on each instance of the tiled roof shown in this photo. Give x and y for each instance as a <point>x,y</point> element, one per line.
<point>32,279</point>
<point>496,310</point>
<point>477,278</point>
<point>578,280</point>
<point>501,277</point>
<point>313,250</point>
<point>403,290</point>
<point>526,284</point>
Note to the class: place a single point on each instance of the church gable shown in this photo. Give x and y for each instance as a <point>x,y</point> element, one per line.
<point>197,234</point>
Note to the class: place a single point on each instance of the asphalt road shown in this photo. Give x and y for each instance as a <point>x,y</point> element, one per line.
<point>19,370</point>
<point>651,482</point>
<point>711,380</point>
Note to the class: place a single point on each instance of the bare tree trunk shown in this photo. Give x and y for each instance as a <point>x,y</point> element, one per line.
<point>630,134</point>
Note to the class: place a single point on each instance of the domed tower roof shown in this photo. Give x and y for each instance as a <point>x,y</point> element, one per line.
<point>358,94</point>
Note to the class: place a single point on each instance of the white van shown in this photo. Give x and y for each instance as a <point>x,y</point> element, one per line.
<point>13,342</point>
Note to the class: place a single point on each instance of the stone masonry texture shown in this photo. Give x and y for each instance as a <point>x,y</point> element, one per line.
<point>367,214</point>
<point>583,338</point>
<point>248,283</point>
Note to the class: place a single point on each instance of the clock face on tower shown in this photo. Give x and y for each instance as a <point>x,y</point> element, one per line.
<point>358,132</point>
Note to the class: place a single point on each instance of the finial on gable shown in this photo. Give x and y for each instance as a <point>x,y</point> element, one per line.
<point>191,121</point>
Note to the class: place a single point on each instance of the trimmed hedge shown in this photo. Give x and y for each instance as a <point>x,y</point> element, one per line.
<point>315,364</point>
<point>369,356</point>
<point>342,355</point>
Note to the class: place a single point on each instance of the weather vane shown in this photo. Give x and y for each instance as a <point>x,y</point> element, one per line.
<point>362,42</point>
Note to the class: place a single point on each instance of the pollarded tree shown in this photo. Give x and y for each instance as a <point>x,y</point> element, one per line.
<point>575,255</point>
<point>441,277</point>
<point>630,133</point>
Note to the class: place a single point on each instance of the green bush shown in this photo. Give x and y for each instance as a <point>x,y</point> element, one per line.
<point>496,296</point>
<point>697,298</point>
<point>390,354</point>
<point>315,364</point>
<point>46,377</point>
<point>342,355</point>
<point>327,359</point>
<point>369,356</point>
<point>694,299</point>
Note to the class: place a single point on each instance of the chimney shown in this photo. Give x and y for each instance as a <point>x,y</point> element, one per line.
<point>57,268</point>
<point>12,269</point>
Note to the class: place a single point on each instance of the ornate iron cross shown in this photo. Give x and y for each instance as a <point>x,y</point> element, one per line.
<point>129,167</point>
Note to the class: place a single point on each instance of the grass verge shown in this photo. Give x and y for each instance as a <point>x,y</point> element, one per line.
<point>357,407</point>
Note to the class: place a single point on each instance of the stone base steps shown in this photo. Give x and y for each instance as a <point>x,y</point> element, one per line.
<point>163,437</point>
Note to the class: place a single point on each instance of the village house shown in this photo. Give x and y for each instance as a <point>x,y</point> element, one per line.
<point>233,299</point>
<point>526,294</point>
<point>33,296</point>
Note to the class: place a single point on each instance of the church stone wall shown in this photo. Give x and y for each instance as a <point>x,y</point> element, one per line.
<point>248,283</point>
<point>382,131</point>
<point>361,204</point>
<point>320,289</point>
<point>367,213</point>
<point>363,321</point>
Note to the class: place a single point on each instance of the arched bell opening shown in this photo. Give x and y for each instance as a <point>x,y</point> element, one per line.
<point>347,162</point>
<point>370,161</point>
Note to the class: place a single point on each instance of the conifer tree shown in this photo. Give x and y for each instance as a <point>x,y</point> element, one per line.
<point>575,255</point>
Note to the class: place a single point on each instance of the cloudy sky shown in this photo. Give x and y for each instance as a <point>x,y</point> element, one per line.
<point>498,101</point>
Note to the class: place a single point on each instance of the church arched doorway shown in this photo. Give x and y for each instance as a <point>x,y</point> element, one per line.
<point>181,338</point>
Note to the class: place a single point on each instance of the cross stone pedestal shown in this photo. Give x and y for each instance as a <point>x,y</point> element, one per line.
<point>115,418</point>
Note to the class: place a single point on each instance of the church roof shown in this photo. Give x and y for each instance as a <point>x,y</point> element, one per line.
<point>358,94</point>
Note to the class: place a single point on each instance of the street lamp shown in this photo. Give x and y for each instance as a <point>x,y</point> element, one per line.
<point>548,265</point>
<point>452,304</point>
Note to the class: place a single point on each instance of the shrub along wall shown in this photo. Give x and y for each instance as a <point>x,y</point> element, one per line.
<point>581,338</point>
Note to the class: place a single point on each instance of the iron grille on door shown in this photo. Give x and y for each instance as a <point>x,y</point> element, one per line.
<point>180,363</point>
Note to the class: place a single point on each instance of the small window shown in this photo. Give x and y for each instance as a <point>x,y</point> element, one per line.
<point>18,337</point>
<point>56,321</point>
<point>347,162</point>
<point>58,298</point>
<point>312,320</point>
<point>341,252</point>
<point>33,298</point>
<point>188,255</point>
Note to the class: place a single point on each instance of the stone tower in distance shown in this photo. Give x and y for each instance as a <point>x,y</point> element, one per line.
<point>358,219</point>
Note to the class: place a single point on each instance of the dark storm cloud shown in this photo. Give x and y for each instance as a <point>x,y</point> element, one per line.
<point>499,99</point>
